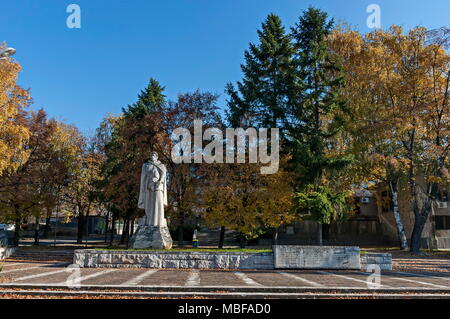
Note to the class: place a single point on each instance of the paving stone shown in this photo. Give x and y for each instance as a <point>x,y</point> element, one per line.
<point>275,280</point>
<point>117,277</point>
<point>219,278</point>
<point>167,278</point>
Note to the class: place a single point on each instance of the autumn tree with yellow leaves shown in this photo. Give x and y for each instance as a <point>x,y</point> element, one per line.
<point>38,156</point>
<point>14,101</point>
<point>36,187</point>
<point>398,92</point>
<point>238,197</point>
<point>82,193</point>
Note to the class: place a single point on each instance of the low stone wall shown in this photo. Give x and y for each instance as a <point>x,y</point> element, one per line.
<point>6,252</point>
<point>316,257</point>
<point>172,259</point>
<point>285,257</point>
<point>383,260</point>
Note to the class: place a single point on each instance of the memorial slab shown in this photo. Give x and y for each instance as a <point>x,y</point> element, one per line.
<point>316,257</point>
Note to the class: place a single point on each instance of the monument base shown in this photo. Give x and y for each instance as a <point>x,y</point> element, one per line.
<point>156,237</point>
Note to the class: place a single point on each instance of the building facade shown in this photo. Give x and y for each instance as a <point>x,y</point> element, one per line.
<point>372,223</point>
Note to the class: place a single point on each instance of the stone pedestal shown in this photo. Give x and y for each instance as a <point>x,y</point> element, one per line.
<point>157,237</point>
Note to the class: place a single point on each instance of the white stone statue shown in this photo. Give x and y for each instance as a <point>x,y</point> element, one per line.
<point>153,192</point>
<point>152,231</point>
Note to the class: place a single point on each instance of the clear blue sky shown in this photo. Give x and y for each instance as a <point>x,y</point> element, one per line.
<point>79,75</point>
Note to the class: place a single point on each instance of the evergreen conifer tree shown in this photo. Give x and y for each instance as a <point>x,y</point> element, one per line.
<point>260,98</point>
<point>149,99</point>
<point>316,119</point>
<point>317,108</point>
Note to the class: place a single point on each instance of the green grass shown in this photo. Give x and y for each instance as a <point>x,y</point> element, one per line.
<point>217,250</point>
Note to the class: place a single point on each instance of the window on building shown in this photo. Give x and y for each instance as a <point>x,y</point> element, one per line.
<point>442,222</point>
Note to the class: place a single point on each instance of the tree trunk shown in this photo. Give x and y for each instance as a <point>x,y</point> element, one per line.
<point>129,232</point>
<point>132,228</point>
<point>47,223</point>
<point>222,236</point>
<point>242,241</point>
<point>319,235</point>
<point>398,219</point>
<point>181,231</point>
<point>326,234</point>
<point>87,226</point>
<point>420,214</point>
<point>125,230</point>
<point>419,223</point>
<point>113,230</point>
<point>16,233</point>
<point>106,228</point>
<point>417,235</point>
<point>275,236</point>
<point>122,237</point>
<point>36,232</point>
<point>127,238</point>
<point>433,243</point>
<point>80,230</point>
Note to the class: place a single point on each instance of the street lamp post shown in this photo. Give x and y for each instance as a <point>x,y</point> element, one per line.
<point>7,53</point>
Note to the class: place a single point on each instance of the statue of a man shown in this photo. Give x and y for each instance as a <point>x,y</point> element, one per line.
<point>153,192</point>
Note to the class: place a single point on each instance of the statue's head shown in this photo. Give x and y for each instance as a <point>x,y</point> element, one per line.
<point>153,156</point>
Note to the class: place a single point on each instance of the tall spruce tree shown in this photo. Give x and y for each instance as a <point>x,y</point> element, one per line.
<point>149,100</point>
<point>261,98</point>
<point>315,119</point>
<point>292,81</point>
<point>316,112</point>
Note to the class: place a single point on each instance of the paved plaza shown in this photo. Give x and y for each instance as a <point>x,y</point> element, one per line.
<point>55,277</point>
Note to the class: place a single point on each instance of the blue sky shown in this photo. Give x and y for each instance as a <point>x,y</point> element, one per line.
<point>79,75</point>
